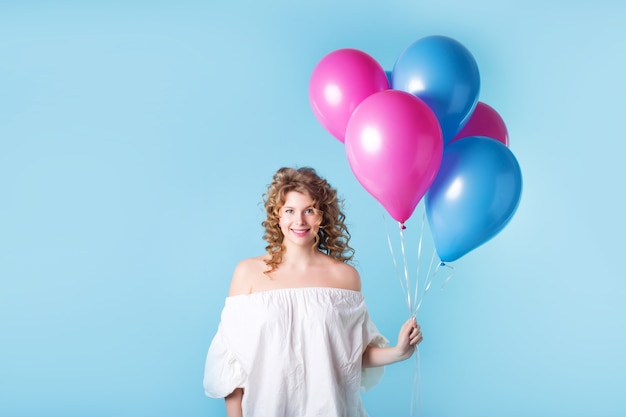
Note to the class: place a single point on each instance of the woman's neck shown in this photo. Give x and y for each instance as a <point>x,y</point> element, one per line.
<point>301,257</point>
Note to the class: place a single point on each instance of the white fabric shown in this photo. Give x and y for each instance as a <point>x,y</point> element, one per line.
<point>296,352</point>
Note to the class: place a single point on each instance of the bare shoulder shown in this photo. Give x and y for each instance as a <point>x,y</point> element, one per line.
<point>347,276</point>
<point>244,275</point>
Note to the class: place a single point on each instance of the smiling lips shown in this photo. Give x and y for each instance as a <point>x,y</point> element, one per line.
<point>300,232</point>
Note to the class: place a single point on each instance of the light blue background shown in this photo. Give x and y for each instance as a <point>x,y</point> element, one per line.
<point>136,139</point>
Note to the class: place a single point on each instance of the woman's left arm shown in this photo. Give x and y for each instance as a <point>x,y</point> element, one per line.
<point>410,336</point>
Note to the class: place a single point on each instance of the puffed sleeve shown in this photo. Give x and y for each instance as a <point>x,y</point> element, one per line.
<point>372,376</point>
<point>223,373</point>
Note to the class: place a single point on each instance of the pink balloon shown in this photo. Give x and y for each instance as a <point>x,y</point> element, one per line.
<point>484,121</point>
<point>339,82</point>
<point>394,147</point>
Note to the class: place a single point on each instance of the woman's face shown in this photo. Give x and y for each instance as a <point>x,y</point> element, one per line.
<point>299,221</point>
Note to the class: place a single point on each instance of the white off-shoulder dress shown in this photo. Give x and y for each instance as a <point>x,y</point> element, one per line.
<point>296,352</point>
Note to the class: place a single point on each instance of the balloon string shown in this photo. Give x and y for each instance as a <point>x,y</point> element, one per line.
<point>419,258</point>
<point>406,270</point>
<point>405,285</point>
<point>415,388</point>
<point>416,391</point>
<point>416,300</point>
<point>431,274</point>
<point>393,258</point>
<point>449,277</point>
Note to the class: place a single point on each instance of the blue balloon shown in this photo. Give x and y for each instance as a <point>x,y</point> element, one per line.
<point>443,73</point>
<point>475,194</point>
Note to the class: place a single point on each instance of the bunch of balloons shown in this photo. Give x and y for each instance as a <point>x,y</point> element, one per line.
<point>419,131</point>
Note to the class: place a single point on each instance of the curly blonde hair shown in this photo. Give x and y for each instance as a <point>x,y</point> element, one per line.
<point>333,236</point>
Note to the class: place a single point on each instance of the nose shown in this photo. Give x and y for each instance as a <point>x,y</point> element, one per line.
<point>300,218</point>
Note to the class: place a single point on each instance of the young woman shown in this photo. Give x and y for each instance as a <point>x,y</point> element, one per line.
<point>295,338</point>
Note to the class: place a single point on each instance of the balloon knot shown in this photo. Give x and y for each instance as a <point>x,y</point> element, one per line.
<point>402,226</point>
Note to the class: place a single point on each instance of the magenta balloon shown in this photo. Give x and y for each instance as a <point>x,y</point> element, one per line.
<point>339,82</point>
<point>484,121</point>
<point>394,147</point>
